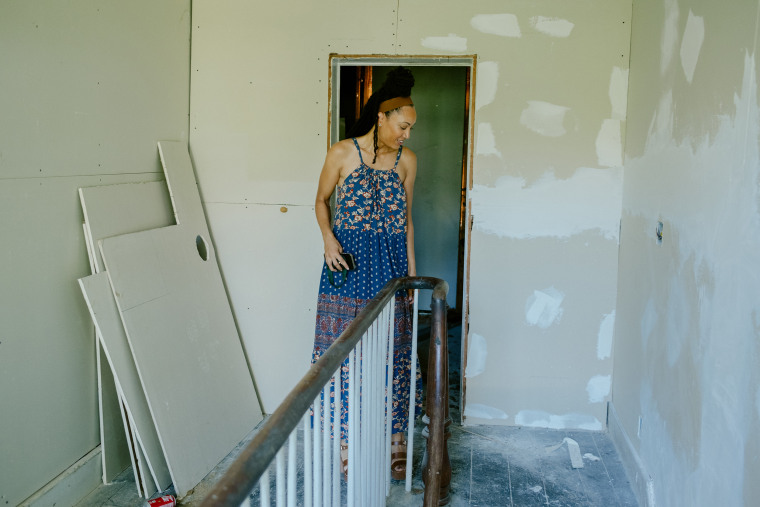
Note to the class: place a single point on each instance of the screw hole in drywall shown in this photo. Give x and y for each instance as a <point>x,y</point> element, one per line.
<point>658,232</point>
<point>202,247</point>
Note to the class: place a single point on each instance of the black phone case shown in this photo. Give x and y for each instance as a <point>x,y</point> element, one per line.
<point>349,258</point>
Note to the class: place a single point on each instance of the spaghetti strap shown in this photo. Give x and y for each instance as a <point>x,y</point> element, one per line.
<point>398,157</point>
<point>358,149</point>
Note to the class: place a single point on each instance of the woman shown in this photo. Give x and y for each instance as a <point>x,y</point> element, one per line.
<point>374,174</point>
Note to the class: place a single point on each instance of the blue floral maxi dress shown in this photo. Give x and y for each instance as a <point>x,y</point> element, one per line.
<point>370,223</point>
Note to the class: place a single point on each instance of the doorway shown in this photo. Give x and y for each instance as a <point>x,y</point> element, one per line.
<point>440,139</point>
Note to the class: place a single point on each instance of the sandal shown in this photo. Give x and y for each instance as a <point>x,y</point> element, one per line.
<point>344,460</point>
<point>398,459</point>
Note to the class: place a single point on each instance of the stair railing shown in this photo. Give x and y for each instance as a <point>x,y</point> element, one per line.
<point>307,411</point>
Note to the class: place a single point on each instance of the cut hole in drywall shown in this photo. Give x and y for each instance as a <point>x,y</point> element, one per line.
<point>202,247</point>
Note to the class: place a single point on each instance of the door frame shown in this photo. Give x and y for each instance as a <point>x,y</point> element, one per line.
<point>333,135</point>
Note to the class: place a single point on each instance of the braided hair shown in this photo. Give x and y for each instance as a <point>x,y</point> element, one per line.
<point>398,83</point>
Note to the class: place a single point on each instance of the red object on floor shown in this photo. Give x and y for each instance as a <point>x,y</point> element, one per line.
<point>163,501</point>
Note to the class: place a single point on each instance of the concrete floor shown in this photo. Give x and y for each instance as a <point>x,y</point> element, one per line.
<point>491,466</point>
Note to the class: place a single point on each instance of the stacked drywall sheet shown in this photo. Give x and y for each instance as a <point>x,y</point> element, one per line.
<point>110,211</point>
<point>165,324</point>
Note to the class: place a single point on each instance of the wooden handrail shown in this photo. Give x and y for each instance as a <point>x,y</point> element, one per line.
<point>241,477</point>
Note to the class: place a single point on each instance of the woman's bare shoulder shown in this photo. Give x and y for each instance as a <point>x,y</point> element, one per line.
<point>341,148</point>
<point>408,158</point>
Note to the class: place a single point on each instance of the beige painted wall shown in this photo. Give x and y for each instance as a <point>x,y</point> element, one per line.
<point>87,89</point>
<point>550,111</point>
<point>687,362</point>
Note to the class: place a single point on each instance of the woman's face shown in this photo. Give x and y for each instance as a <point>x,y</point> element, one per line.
<point>394,129</point>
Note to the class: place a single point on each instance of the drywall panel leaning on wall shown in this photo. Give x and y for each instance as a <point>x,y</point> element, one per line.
<point>181,332</point>
<point>275,248</point>
<point>97,292</point>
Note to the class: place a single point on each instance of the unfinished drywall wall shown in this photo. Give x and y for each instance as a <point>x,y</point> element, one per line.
<point>87,90</point>
<point>687,364</point>
<point>549,119</point>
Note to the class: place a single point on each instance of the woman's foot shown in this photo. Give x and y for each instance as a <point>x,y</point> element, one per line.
<point>398,457</point>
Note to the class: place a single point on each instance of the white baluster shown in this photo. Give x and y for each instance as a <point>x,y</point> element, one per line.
<point>307,457</point>
<point>326,445</point>
<point>353,388</point>
<point>364,403</point>
<point>280,481</point>
<point>292,444</point>
<point>412,394</point>
<point>389,396</point>
<point>264,488</point>
<point>337,430</point>
<point>318,451</point>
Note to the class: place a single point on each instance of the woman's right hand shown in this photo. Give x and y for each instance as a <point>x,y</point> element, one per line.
<point>333,259</point>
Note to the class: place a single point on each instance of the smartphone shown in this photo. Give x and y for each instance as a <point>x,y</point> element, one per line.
<point>349,260</point>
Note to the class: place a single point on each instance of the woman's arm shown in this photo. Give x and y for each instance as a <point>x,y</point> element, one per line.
<point>328,179</point>
<point>410,165</point>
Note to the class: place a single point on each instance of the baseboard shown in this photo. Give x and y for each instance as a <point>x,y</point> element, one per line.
<point>641,482</point>
<point>72,485</point>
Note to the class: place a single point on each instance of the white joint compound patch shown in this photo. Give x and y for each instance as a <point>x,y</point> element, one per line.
<point>590,200</point>
<point>483,412</point>
<point>477,352</point>
<point>604,338</point>
<point>452,43</point>
<point>590,457</point>
<point>486,144</point>
<point>505,25</point>
<point>619,93</point>
<point>691,44</point>
<point>554,27</point>
<point>609,144</point>
<point>648,322</point>
<point>544,118</point>
<point>488,79</point>
<point>540,419</point>
<point>669,39</point>
<point>598,388</point>
<point>544,307</point>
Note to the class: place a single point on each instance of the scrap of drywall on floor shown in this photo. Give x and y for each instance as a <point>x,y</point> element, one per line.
<point>544,307</point>
<point>477,353</point>
<point>504,25</point>
<point>541,419</point>
<point>590,200</point>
